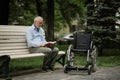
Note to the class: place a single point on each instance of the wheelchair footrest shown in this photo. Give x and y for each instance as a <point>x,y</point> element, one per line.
<point>77,68</point>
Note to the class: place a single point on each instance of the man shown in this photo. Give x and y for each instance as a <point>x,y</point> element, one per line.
<point>4,60</point>
<point>37,43</point>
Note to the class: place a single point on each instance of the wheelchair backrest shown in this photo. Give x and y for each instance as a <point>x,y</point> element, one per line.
<point>82,41</point>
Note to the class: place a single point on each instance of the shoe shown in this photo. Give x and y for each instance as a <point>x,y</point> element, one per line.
<point>9,78</point>
<point>45,69</point>
<point>51,68</point>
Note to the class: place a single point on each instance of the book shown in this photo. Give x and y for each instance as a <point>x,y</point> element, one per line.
<point>49,44</point>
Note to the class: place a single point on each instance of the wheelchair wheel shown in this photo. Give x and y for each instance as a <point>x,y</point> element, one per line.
<point>94,68</point>
<point>93,60</point>
<point>66,68</point>
<point>93,65</point>
<point>89,69</point>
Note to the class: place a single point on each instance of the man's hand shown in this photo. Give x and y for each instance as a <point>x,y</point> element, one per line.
<point>48,44</point>
<point>54,42</point>
<point>42,45</point>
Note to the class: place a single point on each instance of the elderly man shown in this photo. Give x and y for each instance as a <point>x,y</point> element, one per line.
<point>4,60</point>
<point>37,43</point>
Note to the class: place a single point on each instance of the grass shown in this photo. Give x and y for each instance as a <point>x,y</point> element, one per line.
<point>30,63</point>
<point>26,63</point>
<point>109,61</point>
<point>102,61</point>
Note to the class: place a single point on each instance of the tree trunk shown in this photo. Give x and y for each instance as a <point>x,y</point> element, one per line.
<point>50,20</point>
<point>4,12</point>
<point>39,7</point>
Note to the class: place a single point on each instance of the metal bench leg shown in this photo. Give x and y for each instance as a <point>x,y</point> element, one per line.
<point>5,66</point>
<point>62,57</point>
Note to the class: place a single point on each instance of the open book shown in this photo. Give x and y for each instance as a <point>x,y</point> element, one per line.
<point>49,44</point>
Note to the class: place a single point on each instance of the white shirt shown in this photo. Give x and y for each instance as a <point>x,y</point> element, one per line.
<point>35,37</point>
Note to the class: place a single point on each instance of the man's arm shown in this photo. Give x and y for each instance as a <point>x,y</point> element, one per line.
<point>30,41</point>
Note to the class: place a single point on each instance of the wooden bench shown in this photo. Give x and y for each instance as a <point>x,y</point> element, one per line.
<point>13,43</point>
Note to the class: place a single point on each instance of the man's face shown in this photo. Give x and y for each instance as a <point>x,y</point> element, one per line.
<point>38,23</point>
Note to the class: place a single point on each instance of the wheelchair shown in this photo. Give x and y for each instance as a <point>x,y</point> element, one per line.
<point>82,43</point>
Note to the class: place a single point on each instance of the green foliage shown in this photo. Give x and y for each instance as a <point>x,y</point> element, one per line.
<point>70,9</point>
<point>22,12</point>
<point>102,20</point>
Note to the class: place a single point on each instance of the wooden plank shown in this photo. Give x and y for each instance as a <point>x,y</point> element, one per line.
<point>13,47</point>
<point>23,51</point>
<point>10,34</point>
<point>13,26</point>
<point>12,30</point>
<point>13,37</point>
<point>27,55</point>
<point>14,51</point>
<point>13,44</point>
<point>17,53</point>
<point>13,41</point>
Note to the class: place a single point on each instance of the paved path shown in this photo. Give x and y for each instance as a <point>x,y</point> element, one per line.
<point>101,74</point>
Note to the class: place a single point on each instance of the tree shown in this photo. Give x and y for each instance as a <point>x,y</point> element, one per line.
<point>24,11</point>
<point>50,19</point>
<point>103,21</point>
<point>4,12</point>
<point>72,10</point>
<point>39,7</point>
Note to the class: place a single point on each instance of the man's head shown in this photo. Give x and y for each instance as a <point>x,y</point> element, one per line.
<point>38,21</point>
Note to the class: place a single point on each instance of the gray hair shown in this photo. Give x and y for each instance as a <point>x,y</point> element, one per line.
<point>38,18</point>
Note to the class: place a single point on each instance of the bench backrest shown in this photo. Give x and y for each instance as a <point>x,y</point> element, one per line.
<point>12,40</point>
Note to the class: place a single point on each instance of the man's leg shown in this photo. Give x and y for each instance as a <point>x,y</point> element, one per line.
<point>47,57</point>
<point>5,66</point>
<point>53,58</point>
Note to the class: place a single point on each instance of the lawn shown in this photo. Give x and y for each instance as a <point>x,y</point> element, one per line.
<point>30,63</point>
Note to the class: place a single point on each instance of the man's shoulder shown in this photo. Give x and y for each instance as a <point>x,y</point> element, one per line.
<point>30,28</point>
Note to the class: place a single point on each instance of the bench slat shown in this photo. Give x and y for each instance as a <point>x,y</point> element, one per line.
<point>12,37</point>
<point>14,51</point>
<point>22,52</point>
<point>26,55</point>
<point>14,27</point>
<point>19,52</point>
<point>13,30</point>
<point>13,47</point>
<point>13,44</point>
<point>13,41</point>
<point>18,26</point>
<point>11,34</point>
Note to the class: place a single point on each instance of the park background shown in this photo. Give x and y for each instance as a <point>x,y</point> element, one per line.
<point>66,16</point>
